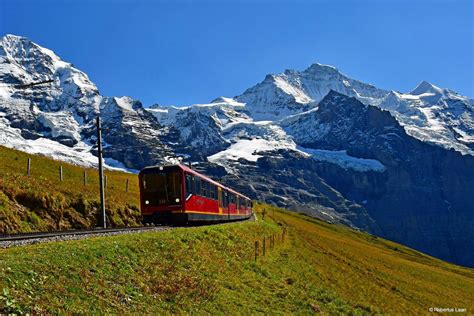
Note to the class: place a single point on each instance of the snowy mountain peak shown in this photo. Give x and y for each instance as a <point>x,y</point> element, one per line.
<point>321,68</point>
<point>17,49</point>
<point>11,38</point>
<point>23,62</point>
<point>269,78</point>
<point>293,92</point>
<point>127,103</point>
<point>426,87</point>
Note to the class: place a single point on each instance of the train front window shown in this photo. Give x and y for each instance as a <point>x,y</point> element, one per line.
<point>162,188</point>
<point>189,185</point>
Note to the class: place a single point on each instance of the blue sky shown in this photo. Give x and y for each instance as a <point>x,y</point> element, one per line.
<point>184,52</point>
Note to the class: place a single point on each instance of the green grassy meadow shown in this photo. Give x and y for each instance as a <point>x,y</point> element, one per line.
<point>316,267</point>
<point>41,202</point>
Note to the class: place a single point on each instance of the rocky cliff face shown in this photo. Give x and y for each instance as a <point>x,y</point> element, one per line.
<point>422,196</point>
<point>399,165</point>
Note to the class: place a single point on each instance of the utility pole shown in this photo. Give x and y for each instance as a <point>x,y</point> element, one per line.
<point>101,172</point>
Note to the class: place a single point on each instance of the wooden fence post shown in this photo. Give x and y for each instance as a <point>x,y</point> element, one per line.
<point>60,173</point>
<point>28,167</point>
<point>85,177</point>
<point>126,186</point>
<point>256,250</point>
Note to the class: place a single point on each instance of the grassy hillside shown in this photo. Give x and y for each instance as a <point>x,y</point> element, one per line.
<point>42,202</point>
<point>318,267</point>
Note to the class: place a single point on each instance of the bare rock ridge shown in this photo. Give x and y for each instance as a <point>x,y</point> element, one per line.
<point>399,165</point>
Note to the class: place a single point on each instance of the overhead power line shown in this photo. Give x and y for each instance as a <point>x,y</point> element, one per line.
<point>28,85</point>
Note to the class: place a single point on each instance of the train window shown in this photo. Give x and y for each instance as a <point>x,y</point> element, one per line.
<point>226,199</point>
<point>197,183</point>
<point>212,191</point>
<point>189,184</point>
<point>204,185</point>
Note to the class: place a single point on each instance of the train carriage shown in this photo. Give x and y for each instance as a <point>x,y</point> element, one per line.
<point>176,193</point>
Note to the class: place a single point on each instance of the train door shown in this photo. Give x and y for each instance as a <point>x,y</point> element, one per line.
<point>226,203</point>
<point>219,198</point>
<point>237,201</point>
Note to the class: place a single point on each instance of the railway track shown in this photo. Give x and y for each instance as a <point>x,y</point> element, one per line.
<point>19,239</point>
<point>8,240</point>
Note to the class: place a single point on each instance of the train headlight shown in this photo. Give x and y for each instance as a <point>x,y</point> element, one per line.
<point>177,200</point>
<point>147,202</point>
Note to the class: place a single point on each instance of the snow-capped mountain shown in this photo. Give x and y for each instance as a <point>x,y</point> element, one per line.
<point>293,92</point>
<point>399,165</point>
<point>58,119</point>
<point>429,113</point>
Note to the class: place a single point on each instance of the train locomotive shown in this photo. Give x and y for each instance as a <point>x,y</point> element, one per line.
<point>178,194</point>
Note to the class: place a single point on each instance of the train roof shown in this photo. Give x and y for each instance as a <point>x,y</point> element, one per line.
<point>194,172</point>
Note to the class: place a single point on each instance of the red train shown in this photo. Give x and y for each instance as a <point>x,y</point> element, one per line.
<point>177,193</point>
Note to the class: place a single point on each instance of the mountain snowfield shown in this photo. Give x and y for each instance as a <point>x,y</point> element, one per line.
<point>400,165</point>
